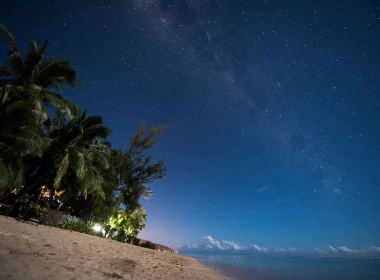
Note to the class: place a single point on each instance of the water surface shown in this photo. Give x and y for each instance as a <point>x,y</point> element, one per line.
<point>285,268</point>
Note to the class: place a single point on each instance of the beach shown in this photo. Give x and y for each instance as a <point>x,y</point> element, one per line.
<point>31,251</point>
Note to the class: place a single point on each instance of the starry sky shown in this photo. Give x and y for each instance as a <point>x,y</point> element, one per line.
<point>271,109</point>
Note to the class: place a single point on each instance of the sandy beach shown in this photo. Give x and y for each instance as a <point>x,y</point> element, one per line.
<point>29,251</point>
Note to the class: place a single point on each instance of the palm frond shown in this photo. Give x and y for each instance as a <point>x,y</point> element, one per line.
<point>5,71</point>
<point>11,158</point>
<point>4,93</point>
<point>30,141</point>
<point>91,121</point>
<point>3,175</point>
<point>93,182</point>
<point>96,132</point>
<point>20,107</point>
<point>14,56</point>
<point>59,103</point>
<point>23,113</point>
<point>98,156</point>
<point>34,56</point>
<point>79,164</point>
<point>61,171</point>
<point>9,39</point>
<point>54,73</point>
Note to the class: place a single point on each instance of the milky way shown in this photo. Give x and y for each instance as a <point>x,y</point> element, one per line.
<point>201,32</point>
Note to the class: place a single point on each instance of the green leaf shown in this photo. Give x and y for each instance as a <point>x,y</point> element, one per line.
<point>60,104</point>
<point>5,71</point>
<point>34,56</point>
<point>3,175</point>
<point>14,56</point>
<point>9,38</point>
<point>79,165</point>
<point>54,73</point>
<point>12,160</point>
<point>61,172</point>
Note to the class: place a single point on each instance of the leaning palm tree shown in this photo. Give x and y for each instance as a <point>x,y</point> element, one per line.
<point>33,77</point>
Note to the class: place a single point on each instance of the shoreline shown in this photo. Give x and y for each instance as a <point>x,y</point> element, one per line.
<point>295,268</point>
<point>29,251</point>
<point>233,272</point>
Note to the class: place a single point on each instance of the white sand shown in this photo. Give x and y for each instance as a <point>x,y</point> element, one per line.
<point>39,252</point>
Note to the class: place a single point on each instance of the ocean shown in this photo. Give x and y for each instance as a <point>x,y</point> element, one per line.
<point>246,267</point>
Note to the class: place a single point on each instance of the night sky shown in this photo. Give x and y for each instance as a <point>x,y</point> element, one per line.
<point>271,108</point>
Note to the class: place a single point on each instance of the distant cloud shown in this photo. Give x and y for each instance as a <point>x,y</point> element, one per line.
<point>208,243</point>
<point>259,248</point>
<point>318,250</point>
<point>286,250</point>
<point>192,245</point>
<point>263,188</point>
<point>332,249</point>
<point>347,250</point>
<point>211,243</point>
<point>327,249</point>
<point>340,249</point>
<point>374,249</point>
<point>231,245</point>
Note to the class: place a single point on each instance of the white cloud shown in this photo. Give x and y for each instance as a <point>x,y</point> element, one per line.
<point>292,250</point>
<point>286,250</point>
<point>280,250</point>
<point>332,249</point>
<point>328,249</point>
<point>347,250</point>
<point>211,243</point>
<point>192,245</point>
<point>374,249</point>
<point>263,188</point>
<point>231,245</point>
<point>340,249</point>
<point>259,248</point>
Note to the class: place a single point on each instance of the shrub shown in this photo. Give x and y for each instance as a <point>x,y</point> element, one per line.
<point>38,210</point>
<point>148,245</point>
<point>84,227</point>
<point>28,209</point>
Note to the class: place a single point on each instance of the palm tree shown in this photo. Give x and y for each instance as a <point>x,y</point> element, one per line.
<point>74,161</point>
<point>32,78</point>
<point>76,148</point>
<point>20,135</point>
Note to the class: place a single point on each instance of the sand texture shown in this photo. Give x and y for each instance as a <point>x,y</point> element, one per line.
<point>40,252</point>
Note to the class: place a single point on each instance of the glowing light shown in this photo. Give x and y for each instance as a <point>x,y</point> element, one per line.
<point>97,227</point>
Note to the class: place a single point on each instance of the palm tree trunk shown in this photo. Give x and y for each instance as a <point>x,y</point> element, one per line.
<point>59,206</point>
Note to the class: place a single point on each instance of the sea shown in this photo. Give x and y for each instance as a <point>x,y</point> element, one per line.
<point>253,267</point>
